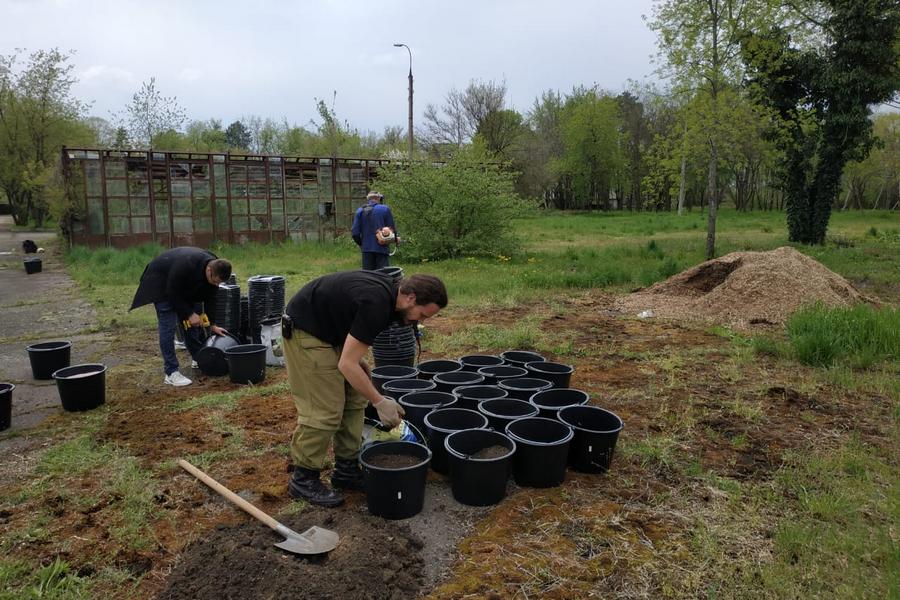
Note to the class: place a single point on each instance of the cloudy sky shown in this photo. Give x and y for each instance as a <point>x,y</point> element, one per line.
<point>227,59</point>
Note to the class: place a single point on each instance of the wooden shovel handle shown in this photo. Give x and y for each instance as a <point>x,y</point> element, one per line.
<point>228,494</point>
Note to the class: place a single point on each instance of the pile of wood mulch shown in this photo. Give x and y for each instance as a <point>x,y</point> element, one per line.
<point>744,289</point>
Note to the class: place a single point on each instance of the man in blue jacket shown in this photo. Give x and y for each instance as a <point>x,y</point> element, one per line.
<point>369,224</point>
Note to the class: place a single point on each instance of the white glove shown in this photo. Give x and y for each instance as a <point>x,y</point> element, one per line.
<point>389,412</point>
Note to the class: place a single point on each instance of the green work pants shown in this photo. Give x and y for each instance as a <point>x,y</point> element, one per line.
<point>327,406</point>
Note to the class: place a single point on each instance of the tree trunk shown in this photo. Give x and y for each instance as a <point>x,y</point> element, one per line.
<point>713,199</point>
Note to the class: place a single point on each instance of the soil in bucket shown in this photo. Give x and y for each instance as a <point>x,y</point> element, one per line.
<point>381,375</point>
<point>500,412</point>
<point>473,362</point>
<point>447,382</point>
<point>441,423</point>
<point>429,368</point>
<point>519,358</point>
<point>542,451</point>
<point>6,390</point>
<point>558,374</point>
<point>596,433</point>
<point>480,461</point>
<point>493,375</point>
<point>523,388</point>
<point>395,492</point>
<point>550,401</point>
<point>81,387</point>
<point>469,396</point>
<point>246,363</point>
<point>49,357</point>
<point>418,404</point>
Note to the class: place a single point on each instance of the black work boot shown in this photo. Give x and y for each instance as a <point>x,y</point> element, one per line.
<point>305,484</point>
<point>347,475</point>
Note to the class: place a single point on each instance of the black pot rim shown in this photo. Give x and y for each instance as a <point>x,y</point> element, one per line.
<point>517,438</point>
<point>391,382</point>
<point>484,410</point>
<point>439,360</point>
<point>404,402</point>
<point>244,349</point>
<point>585,396</point>
<point>579,428</point>
<point>504,384</point>
<point>536,365</point>
<point>487,374</point>
<point>446,430</point>
<point>459,392</point>
<point>404,443</point>
<point>462,359</point>
<point>6,387</point>
<point>101,368</point>
<point>459,454</point>
<point>439,376</point>
<point>503,355</point>
<point>375,372</point>
<point>60,345</point>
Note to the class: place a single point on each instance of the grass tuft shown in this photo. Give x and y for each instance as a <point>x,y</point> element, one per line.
<point>859,336</point>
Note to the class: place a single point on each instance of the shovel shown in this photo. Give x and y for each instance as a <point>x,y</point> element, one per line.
<point>314,540</point>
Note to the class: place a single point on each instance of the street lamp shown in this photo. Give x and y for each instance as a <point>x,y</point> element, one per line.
<point>410,99</point>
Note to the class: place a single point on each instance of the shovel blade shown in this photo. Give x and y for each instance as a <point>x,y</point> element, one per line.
<point>315,540</point>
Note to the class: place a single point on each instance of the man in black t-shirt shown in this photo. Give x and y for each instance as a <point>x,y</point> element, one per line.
<point>328,327</point>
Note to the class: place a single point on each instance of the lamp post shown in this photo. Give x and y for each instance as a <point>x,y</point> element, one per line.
<point>410,99</point>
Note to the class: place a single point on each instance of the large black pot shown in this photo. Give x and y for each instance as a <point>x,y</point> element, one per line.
<point>478,481</point>
<point>473,362</point>
<point>519,358</point>
<point>470,396</point>
<point>503,411</point>
<point>596,432</point>
<point>81,387</point>
<point>493,375</point>
<point>542,451</point>
<point>524,388</point>
<point>550,401</point>
<point>558,374</point>
<point>383,374</point>
<point>6,390</point>
<point>48,357</point>
<point>429,368</point>
<point>447,382</point>
<point>211,357</point>
<point>33,265</point>
<point>441,423</point>
<point>395,493</point>
<point>418,404</point>
<point>246,363</point>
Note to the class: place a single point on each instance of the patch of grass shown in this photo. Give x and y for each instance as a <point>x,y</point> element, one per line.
<point>228,400</point>
<point>657,452</point>
<point>859,336</point>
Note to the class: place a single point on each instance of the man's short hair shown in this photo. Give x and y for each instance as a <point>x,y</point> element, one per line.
<point>427,288</point>
<point>221,268</point>
<point>375,196</point>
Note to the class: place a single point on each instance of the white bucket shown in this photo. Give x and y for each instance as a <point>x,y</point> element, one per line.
<point>270,336</point>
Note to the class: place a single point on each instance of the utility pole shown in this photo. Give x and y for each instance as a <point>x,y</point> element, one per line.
<point>410,125</point>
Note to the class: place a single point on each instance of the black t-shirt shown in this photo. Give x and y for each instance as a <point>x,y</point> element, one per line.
<point>361,303</point>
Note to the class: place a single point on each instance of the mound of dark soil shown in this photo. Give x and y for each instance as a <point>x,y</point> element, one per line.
<point>376,559</point>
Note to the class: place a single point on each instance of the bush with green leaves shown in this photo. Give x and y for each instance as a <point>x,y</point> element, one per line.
<point>463,207</point>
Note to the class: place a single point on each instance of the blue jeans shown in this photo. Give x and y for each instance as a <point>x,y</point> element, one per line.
<point>375,260</point>
<point>167,322</point>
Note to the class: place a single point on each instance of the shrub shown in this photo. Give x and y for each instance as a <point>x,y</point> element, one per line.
<point>459,208</point>
<point>859,335</point>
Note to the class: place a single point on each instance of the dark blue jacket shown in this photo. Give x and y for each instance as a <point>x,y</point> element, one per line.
<point>179,276</point>
<point>369,219</point>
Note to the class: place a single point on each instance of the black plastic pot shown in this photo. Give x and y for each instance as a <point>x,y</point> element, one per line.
<point>418,404</point>
<point>500,412</point>
<point>381,375</point>
<point>519,358</point>
<point>523,388</point>
<point>211,357</point>
<point>6,390</point>
<point>473,362</point>
<point>447,382</point>
<point>429,368</point>
<point>33,265</point>
<point>396,345</point>
<point>542,451</point>
<point>441,423</point>
<point>395,493</point>
<point>550,401</point>
<point>81,387</point>
<point>469,396</point>
<point>493,375</point>
<point>558,374</point>
<point>395,273</point>
<point>246,363</point>
<point>478,481</point>
<point>596,433</point>
<point>401,387</point>
<point>48,357</point>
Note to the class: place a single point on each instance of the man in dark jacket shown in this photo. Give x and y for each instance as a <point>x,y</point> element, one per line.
<point>176,282</point>
<point>328,327</point>
<point>369,222</point>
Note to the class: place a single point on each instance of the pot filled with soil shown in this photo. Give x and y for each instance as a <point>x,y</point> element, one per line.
<point>519,358</point>
<point>33,265</point>
<point>429,368</point>
<point>542,451</point>
<point>558,374</point>
<point>596,432</point>
<point>473,362</point>
<point>6,390</point>
<point>523,388</point>
<point>441,423</point>
<point>48,357</point>
<point>246,363</point>
<point>381,375</point>
<point>550,401</point>
<point>81,387</point>
<point>469,396</point>
<point>493,375</point>
<point>395,474</point>
<point>418,404</point>
<point>480,461</point>
<point>211,357</point>
<point>500,412</point>
<point>447,382</point>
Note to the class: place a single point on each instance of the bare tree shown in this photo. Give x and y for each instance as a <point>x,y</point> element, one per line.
<point>150,113</point>
<point>457,121</point>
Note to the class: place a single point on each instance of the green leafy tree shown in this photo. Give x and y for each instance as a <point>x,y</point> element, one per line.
<point>820,93</point>
<point>206,136</point>
<point>238,137</point>
<point>500,132</point>
<point>464,207</point>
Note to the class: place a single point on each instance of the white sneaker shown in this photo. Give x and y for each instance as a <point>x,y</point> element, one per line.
<point>194,364</point>
<point>179,345</point>
<point>177,379</point>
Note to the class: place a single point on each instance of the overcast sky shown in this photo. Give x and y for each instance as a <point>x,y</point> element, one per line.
<point>228,59</point>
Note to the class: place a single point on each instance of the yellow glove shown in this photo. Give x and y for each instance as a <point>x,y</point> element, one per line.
<point>204,321</point>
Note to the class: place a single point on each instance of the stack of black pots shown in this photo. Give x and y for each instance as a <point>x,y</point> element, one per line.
<point>265,299</point>
<point>397,344</point>
<point>226,308</point>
